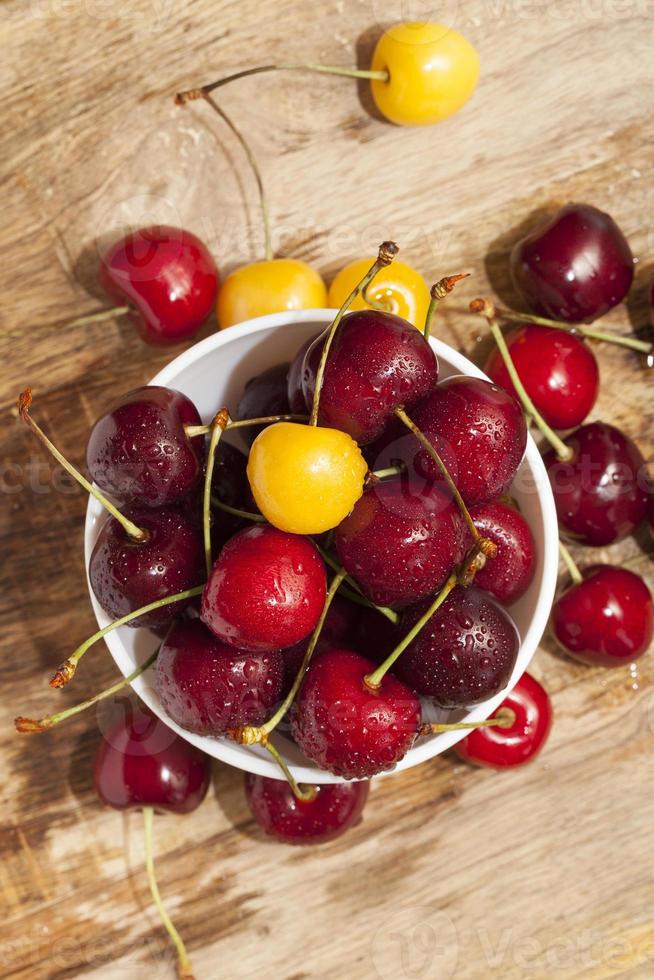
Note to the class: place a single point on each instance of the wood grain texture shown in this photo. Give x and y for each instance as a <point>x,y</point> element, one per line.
<point>454,872</point>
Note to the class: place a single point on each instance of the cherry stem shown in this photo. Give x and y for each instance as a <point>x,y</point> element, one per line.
<point>267,238</point>
<point>65,673</point>
<point>305,793</point>
<point>24,403</point>
<point>632,343</point>
<point>570,564</point>
<point>201,93</point>
<point>383,305</point>
<point>563,452</point>
<point>358,596</point>
<point>505,718</point>
<point>98,317</point>
<point>389,471</point>
<point>637,559</point>
<point>217,427</point>
<point>438,292</point>
<point>204,430</point>
<point>387,252</point>
<point>184,968</point>
<point>235,512</point>
<point>42,724</point>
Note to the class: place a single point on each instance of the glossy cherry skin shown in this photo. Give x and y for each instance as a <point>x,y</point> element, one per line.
<point>499,747</point>
<point>343,726</point>
<point>334,809</point>
<point>377,362</point>
<point>208,687</point>
<point>167,276</point>
<point>127,574</point>
<point>294,391</point>
<point>608,619</point>
<point>401,541</point>
<point>601,494</point>
<point>509,574</point>
<point>264,395</point>
<point>464,654</point>
<point>575,267</point>
<point>141,762</point>
<point>138,450</point>
<point>339,630</point>
<point>266,590</point>
<point>559,372</point>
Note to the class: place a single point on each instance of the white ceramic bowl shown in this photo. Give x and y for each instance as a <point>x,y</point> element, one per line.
<point>213,373</point>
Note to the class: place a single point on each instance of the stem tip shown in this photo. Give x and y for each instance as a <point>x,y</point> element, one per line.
<point>29,724</point>
<point>63,674</point>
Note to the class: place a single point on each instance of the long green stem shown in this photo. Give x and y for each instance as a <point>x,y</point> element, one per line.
<point>504,718</point>
<point>235,512</point>
<point>199,93</point>
<point>65,673</point>
<point>184,968</point>
<point>24,403</point>
<point>41,724</point>
<point>204,430</point>
<point>217,428</point>
<point>570,564</point>
<point>438,292</point>
<point>642,346</point>
<point>99,316</point>
<point>304,794</point>
<point>390,614</point>
<point>387,252</point>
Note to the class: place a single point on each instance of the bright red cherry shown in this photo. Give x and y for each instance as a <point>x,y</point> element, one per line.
<point>464,654</point>
<point>558,370</point>
<point>264,395</point>
<point>377,362</point>
<point>401,541</point>
<point>333,810</point>
<point>519,742</point>
<point>344,726</point>
<point>606,619</point>
<point>208,687</point>
<point>266,590</point>
<point>601,494</point>
<point>127,574</point>
<point>509,574</point>
<point>139,451</point>
<point>167,277</point>
<point>140,762</point>
<point>575,267</point>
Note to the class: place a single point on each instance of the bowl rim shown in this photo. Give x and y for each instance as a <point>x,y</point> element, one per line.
<point>232,754</point>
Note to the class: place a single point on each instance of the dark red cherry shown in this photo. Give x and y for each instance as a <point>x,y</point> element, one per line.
<point>264,395</point>
<point>575,267</point>
<point>377,362</point>
<point>140,762</point>
<point>343,726</point>
<point>401,541</point>
<point>464,654</point>
<point>127,574</point>
<point>266,590</point>
<point>339,629</point>
<point>510,573</point>
<point>558,370</point>
<point>168,278</point>
<point>376,637</point>
<point>208,687</point>
<point>607,619</point>
<point>499,747</point>
<point>333,810</point>
<point>478,430</point>
<point>294,391</point>
<point>138,450</point>
<point>601,494</point>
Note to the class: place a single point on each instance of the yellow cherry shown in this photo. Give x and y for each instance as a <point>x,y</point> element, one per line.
<point>397,288</point>
<point>305,478</point>
<point>271,286</point>
<point>433,71</point>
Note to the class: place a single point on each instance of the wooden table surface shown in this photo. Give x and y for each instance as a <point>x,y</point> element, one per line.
<point>455,872</point>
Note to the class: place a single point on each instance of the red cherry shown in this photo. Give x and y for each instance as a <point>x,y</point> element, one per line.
<point>266,590</point>
<point>499,747</point>
<point>294,391</point>
<point>208,687</point>
<point>168,276</point>
<point>401,541</point>
<point>377,362</point>
<point>575,267</point>
<point>338,630</point>
<point>140,762</point>
<point>138,450</point>
<point>464,654</point>
<point>264,395</point>
<point>558,370</point>
<point>127,574</point>
<point>333,810</point>
<point>510,573</point>
<point>601,494</point>
<point>344,726</point>
<point>606,619</point>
